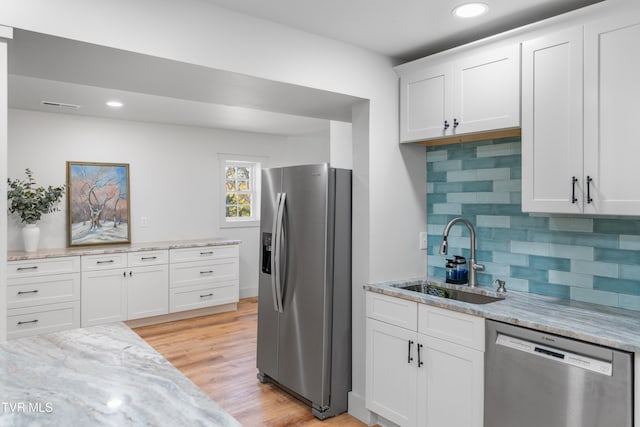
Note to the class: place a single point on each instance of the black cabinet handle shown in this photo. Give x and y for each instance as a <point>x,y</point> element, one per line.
<point>446,125</point>
<point>27,292</point>
<point>30,321</point>
<point>455,123</point>
<point>35,267</point>
<point>409,358</point>
<point>105,262</point>
<point>124,274</point>
<point>148,258</point>
<point>574,180</point>
<point>589,181</point>
<point>420,362</point>
<point>206,253</point>
<point>207,295</point>
<point>207,272</point>
<point>130,273</point>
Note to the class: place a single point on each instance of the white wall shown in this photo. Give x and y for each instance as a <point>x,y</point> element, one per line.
<point>174,177</point>
<point>5,33</point>
<point>341,144</point>
<point>198,32</point>
<point>308,149</point>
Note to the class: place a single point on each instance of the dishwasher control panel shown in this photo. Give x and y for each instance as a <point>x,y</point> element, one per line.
<point>560,356</point>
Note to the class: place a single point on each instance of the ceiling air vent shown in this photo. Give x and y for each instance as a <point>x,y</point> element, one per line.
<point>60,105</point>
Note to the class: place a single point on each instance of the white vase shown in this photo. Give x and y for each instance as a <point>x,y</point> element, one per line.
<point>30,237</point>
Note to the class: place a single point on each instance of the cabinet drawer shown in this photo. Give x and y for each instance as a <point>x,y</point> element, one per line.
<point>104,262</point>
<point>22,322</point>
<point>396,311</point>
<point>39,267</point>
<point>458,328</point>
<point>32,291</point>
<point>192,297</point>
<point>136,259</point>
<point>202,253</point>
<point>193,273</point>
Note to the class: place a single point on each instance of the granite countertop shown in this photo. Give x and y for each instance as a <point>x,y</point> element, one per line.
<point>99,376</point>
<point>112,249</point>
<point>608,326</point>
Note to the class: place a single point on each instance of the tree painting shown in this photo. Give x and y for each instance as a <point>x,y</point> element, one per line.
<point>98,203</point>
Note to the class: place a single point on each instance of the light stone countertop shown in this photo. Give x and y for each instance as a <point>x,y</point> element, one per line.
<point>608,326</point>
<point>98,376</point>
<point>112,249</point>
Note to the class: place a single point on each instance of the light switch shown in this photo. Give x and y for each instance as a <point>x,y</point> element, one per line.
<point>423,240</point>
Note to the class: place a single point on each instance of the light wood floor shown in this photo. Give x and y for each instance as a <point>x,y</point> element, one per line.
<point>218,353</point>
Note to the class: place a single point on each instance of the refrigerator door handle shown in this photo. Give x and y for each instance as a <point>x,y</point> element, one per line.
<point>280,237</point>
<point>275,258</point>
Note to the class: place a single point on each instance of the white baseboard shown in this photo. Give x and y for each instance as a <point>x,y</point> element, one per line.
<point>358,409</point>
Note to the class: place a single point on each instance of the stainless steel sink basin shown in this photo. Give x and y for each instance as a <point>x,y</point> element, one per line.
<point>456,294</point>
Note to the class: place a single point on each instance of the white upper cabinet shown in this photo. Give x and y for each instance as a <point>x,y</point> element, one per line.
<point>580,91</point>
<point>425,108</point>
<point>552,123</point>
<point>486,91</point>
<point>475,93</point>
<point>612,110</point>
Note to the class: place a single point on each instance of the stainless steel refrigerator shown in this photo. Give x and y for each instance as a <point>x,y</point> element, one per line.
<point>304,303</point>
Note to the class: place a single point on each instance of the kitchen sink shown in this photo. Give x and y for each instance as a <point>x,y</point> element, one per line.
<point>455,294</point>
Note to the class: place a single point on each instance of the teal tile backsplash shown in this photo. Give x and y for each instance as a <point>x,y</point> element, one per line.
<point>585,258</point>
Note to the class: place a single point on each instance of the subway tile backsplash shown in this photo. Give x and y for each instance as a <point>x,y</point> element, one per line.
<point>585,258</point>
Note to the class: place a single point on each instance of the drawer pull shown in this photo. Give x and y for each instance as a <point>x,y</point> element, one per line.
<point>206,253</point>
<point>29,321</point>
<point>105,262</point>
<point>35,267</point>
<point>148,258</point>
<point>207,272</point>
<point>207,295</point>
<point>27,292</point>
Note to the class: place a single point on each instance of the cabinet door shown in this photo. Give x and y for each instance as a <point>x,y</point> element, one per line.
<point>425,103</point>
<point>486,90</point>
<point>391,372</point>
<point>103,296</point>
<point>552,123</point>
<point>450,384</point>
<point>147,291</point>
<point>612,91</point>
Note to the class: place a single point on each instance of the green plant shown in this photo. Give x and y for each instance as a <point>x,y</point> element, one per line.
<point>31,202</point>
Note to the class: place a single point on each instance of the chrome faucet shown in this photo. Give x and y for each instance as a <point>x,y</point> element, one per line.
<point>473,267</point>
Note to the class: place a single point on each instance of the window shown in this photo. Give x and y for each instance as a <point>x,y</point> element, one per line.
<point>240,178</point>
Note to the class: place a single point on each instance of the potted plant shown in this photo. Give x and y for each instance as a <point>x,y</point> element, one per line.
<point>30,202</point>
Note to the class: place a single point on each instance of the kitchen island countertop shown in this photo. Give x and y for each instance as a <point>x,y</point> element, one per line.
<point>608,326</point>
<point>99,376</point>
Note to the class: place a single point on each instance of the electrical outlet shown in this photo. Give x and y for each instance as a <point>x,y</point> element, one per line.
<point>144,222</point>
<point>422,243</point>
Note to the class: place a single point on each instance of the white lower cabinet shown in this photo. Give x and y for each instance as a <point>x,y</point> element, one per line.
<point>429,373</point>
<point>43,295</point>
<point>138,287</point>
<point>391,374</point>
<point>104,297</point>
<point>54,293</point>
<point>203,277</point>
<point>148,291</point>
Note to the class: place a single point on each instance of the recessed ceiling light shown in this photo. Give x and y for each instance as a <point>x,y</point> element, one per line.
<point>470,10</point>
<point>114,104</point>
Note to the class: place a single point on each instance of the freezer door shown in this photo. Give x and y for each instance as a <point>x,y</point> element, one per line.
<point>303,359</point>
<point>267,346</point>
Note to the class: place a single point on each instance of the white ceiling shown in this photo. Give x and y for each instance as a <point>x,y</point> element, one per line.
<point>401,29</point>
<point>48,68</point>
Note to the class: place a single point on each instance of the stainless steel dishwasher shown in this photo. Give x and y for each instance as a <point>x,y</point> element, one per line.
<point>533,378</point>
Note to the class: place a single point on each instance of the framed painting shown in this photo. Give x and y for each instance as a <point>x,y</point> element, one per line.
<point>98,202</point>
